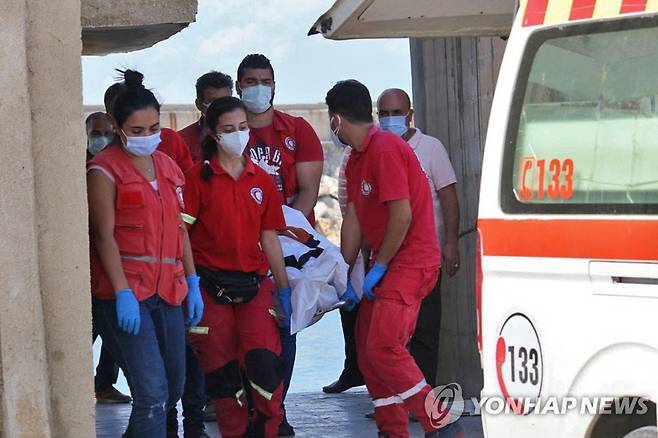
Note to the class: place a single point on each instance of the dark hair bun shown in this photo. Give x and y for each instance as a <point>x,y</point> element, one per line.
<point>132,78</point>
<point>133,97</point>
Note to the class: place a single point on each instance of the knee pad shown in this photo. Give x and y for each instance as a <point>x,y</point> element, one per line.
<point>263,370</point>
<point>224,382</point>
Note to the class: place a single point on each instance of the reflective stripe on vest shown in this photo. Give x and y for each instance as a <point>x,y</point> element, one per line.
<point>147,259</point>
<point>188,219</point>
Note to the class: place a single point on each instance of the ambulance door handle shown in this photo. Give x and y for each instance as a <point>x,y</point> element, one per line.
<point>632,279</point>
<point>635,280</point>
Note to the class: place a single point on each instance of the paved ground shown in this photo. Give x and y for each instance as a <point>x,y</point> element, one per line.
<point>312,414</point>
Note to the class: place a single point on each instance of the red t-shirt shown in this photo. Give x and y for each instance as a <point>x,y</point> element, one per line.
<point>191,135</point>
<point>173,145</point>
<point>226,217</point>
<point>277,147</point>
<point>386,169</point>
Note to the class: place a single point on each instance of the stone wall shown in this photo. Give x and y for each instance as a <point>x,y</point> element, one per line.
<point>45,318</point>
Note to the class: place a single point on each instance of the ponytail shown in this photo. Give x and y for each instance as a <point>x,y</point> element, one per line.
<point>209,148</point>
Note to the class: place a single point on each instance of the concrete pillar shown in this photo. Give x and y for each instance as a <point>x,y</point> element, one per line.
<point>45,345</point>
<point>453,84</point>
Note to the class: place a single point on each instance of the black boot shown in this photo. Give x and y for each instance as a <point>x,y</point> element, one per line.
<point>285,429</point>
<point>172,423</point>
<point>195,431</point>
<point>343,383</point>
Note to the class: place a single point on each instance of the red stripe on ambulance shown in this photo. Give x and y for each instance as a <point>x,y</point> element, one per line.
<point>582,9</point>
<point>630,6</point>
<point>535,12</point>
<point>588,239</point>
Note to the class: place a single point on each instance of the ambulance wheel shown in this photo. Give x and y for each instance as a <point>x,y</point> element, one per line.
<point>643,432</point>
<point>640,424</point>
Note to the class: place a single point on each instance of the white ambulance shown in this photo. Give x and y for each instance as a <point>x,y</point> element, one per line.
<point>568,225</point>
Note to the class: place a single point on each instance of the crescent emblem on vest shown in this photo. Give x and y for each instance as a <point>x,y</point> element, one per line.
<point>366,188</point>
<point>290,143</point>
<point>257,194</point>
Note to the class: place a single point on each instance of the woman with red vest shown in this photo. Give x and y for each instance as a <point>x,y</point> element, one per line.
<point>143,269</point>
<point>234,213</point>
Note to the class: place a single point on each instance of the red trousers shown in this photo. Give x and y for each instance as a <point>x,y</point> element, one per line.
<point>383,329</point>
<point>242,338</point>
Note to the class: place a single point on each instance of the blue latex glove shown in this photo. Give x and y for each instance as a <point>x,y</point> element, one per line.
<point>373,277</point>
<point>194,301</point>
<point>285,297</point>
<point>128,311</point>
<point>351,297</point>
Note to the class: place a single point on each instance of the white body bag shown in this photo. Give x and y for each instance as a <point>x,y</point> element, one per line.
<point>316,270</point>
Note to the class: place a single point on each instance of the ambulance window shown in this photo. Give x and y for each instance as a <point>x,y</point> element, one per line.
<point>583,129</point>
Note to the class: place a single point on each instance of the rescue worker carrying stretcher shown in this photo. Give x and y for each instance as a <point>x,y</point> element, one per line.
<point>389,210</point>
<point>234,214</point>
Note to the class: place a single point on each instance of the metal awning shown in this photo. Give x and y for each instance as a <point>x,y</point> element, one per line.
<point>348,19</point>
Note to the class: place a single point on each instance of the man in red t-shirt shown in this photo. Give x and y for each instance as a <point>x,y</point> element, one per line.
<point>209,87</point>
<point>283,145</point>
<point>390,211</point>
<point>288,149</point>
<point>170,142</point>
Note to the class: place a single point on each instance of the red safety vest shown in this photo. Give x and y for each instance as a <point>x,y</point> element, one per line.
<point>148,228</point>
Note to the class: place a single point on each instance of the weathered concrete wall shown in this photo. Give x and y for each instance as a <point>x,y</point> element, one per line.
<point>44,282</point>
<point>453,84</point>
<point>60,187</point>
<point>25,398</point>
<point>125,25</point>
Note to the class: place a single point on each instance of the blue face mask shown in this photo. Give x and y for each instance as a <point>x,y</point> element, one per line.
<point>395,124</point>
<point>257,99</point>
<point>97,144</point>
<point>142,146</point>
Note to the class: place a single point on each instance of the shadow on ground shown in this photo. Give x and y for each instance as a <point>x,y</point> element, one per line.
<point>312,414</point>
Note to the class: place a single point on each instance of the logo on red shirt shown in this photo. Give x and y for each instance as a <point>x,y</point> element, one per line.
<point>366,188</point>
<point>257,194</point>
<point>290,143</point>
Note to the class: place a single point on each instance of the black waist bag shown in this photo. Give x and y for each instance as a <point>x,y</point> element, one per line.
<point>229,287</point>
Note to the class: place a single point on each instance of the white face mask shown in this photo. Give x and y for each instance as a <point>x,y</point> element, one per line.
<point>233,142</point>
<point>257,99</point>
<point>142,146</point>
<point>334,134</point>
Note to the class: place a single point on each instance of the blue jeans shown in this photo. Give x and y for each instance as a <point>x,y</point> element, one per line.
<point>153,360</point>
<point>288,353</point>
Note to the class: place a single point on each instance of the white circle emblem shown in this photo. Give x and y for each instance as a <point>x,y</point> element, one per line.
<point>366,188</point>
<point>290,143</point>
<point>257,194</point>
<point>519,362</point>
